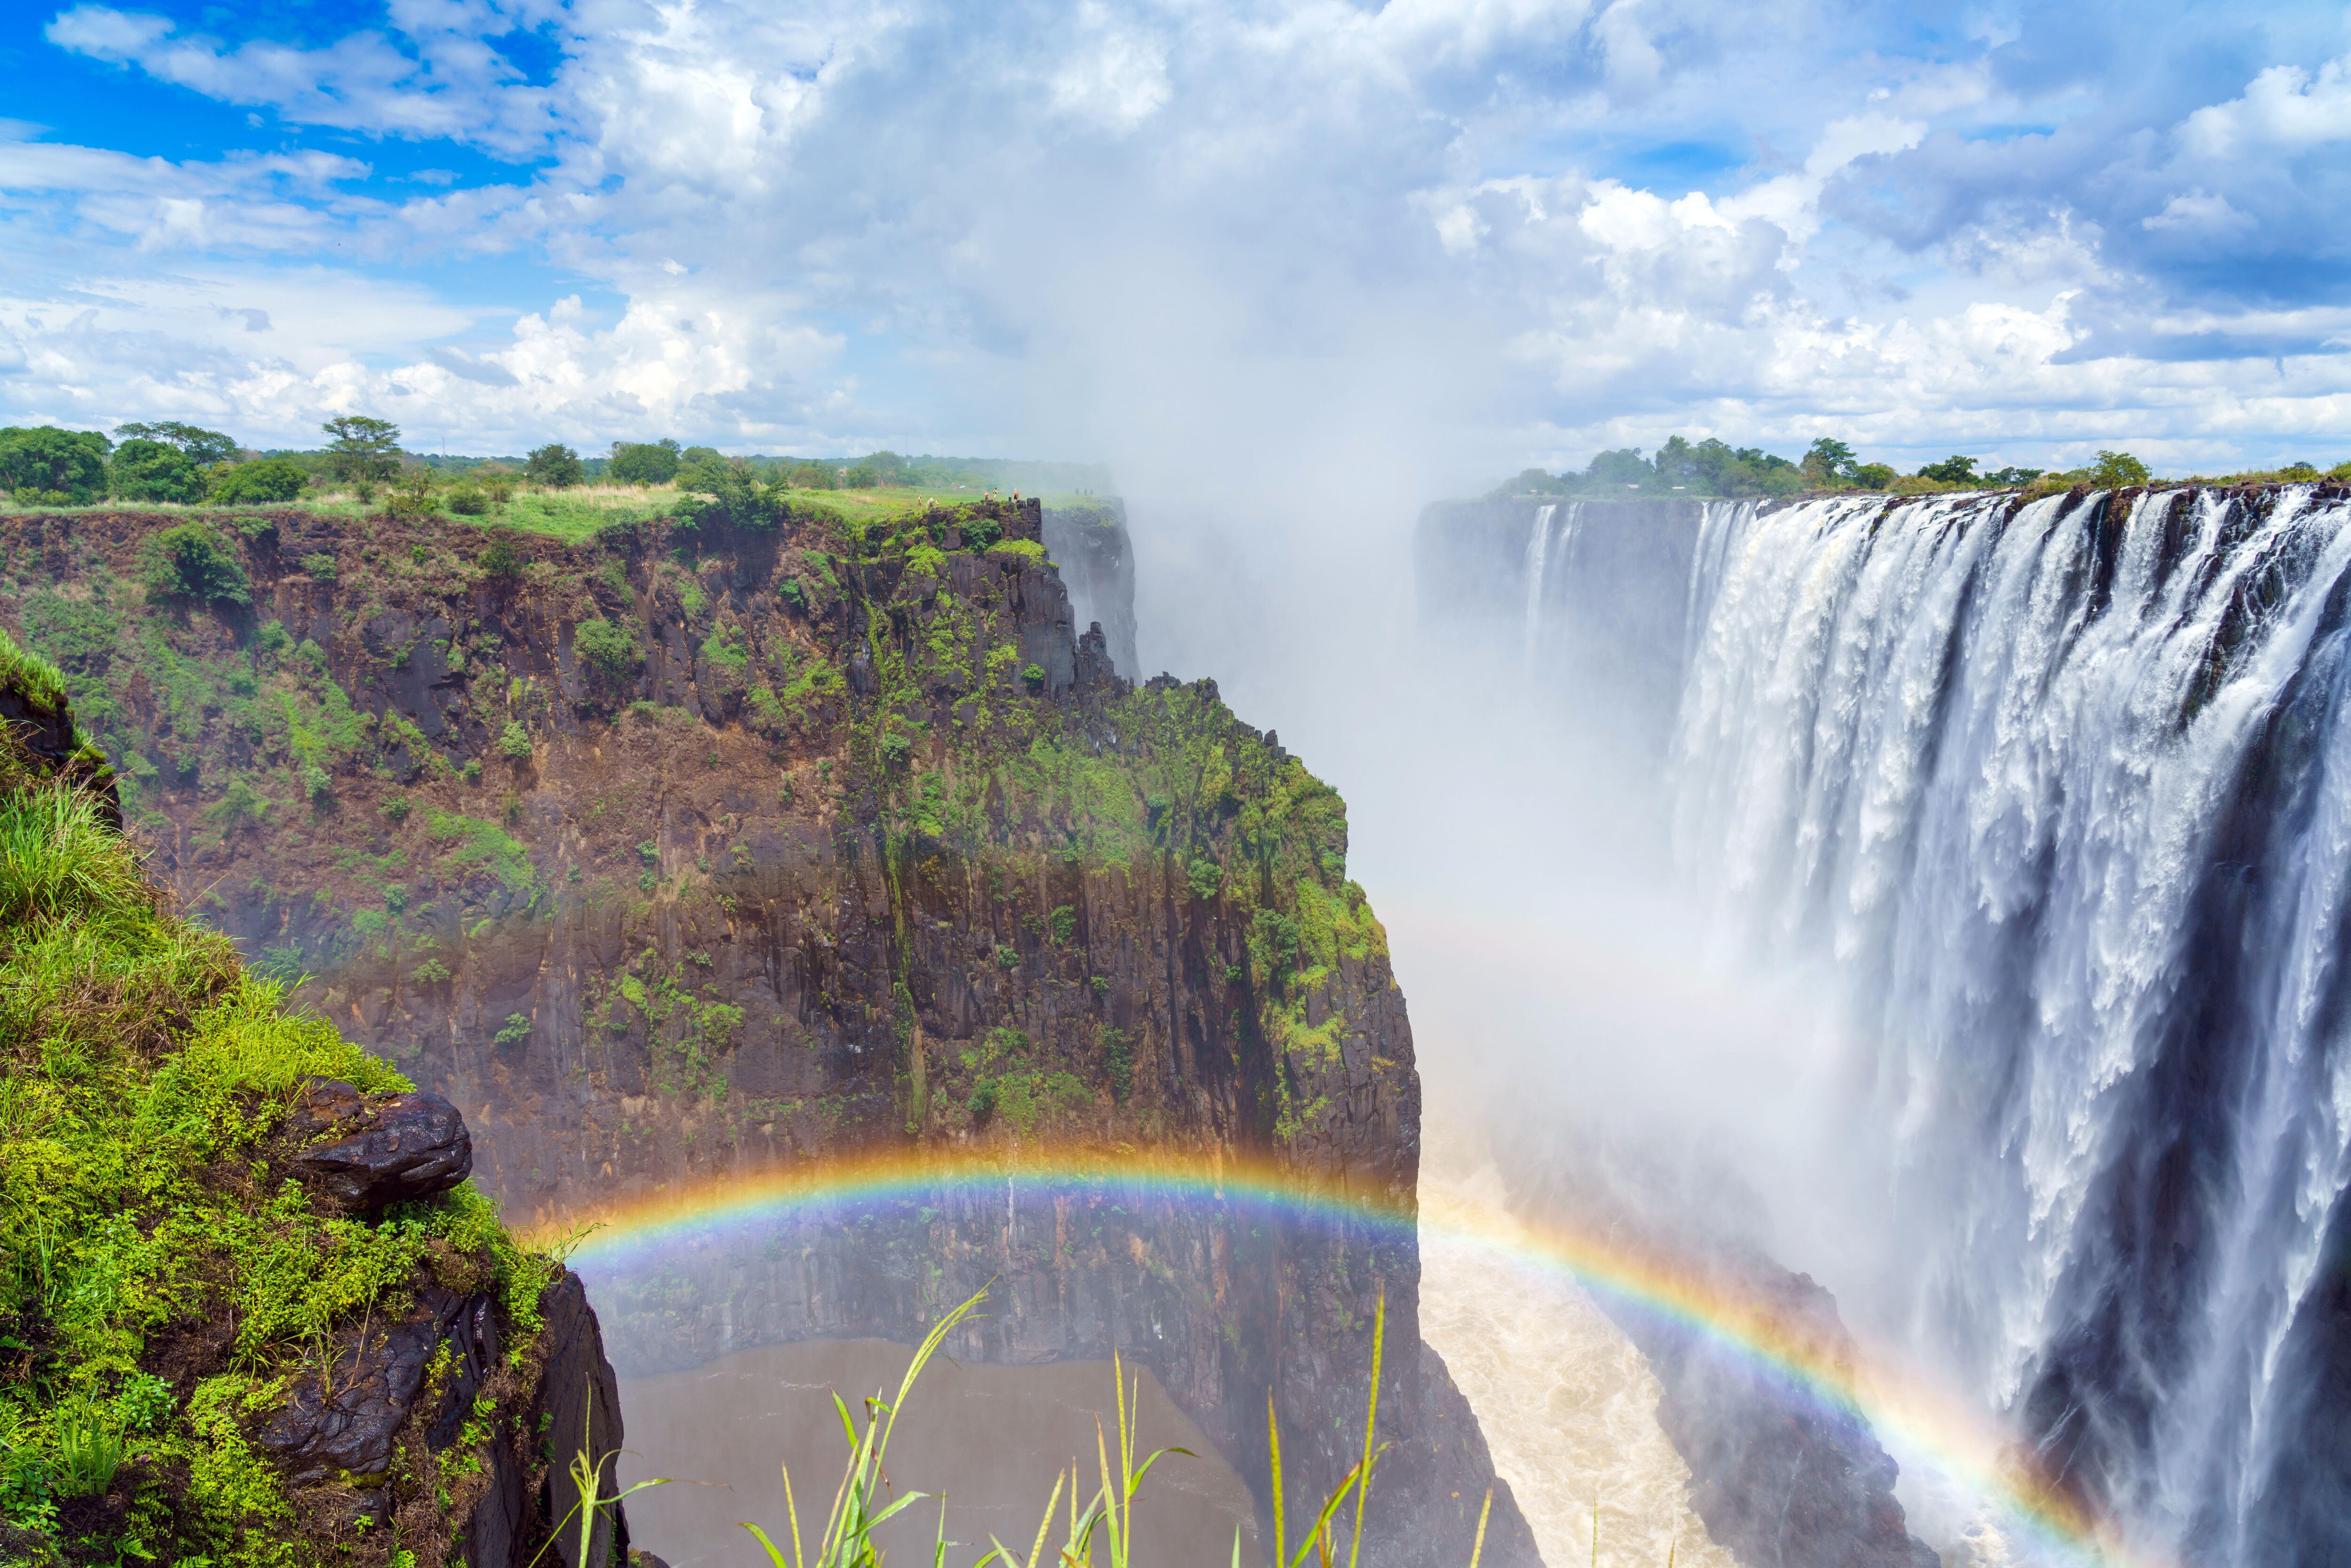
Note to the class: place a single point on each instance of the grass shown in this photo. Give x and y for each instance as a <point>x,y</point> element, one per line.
<point>1101,1532</point>
<point>578,515</point>
<point>144,1075</point>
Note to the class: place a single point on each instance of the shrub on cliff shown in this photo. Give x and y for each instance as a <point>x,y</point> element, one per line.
<point>609,650</point>
<point>193,561</point>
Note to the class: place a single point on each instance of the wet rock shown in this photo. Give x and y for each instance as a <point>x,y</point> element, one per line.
<point>390,1148</point>
<point>341,1424</point>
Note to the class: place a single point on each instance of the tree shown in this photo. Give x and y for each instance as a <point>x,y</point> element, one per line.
<point>1623,466</point>
<point>1828,462</point>
<point>2113,470</point>
<point>270,479</point>
<point>695,467</point>
<point>144,470</point>
<point>43,463</point>
<point>1951,470</point>
<point>364,451</point>
<point>2013,477</point>
<point>203,447</point>
<point>191,561</point>
<point>555,465</point>
<point>1874,475</point>
<point>644,463</point>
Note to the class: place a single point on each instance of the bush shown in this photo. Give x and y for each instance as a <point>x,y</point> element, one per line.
<point>515,740</point>
<point>468,500</point>
<point>151,471</point>
<point>1064,924</point>
<point>502,561</point>
<point>193,562</point>
<point>317,785</point>
<point>46,461</point>
<point>1035,675</point>
<point>643,462</point>
<point>414,498</point>
<point>555,465</point>
<point>978,533</point>
<point>1205,876</point>
<point>609,648</point>
<point>517,1027</point>
<point>269,481</point>
<point>982,1103</point>
<point>1118,1056</point>
<point>321,565</point>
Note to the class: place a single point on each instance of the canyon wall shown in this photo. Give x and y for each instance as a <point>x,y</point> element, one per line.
<point>701,849</point>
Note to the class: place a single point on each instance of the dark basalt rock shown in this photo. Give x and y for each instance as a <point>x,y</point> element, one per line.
<point>393,1148</point>
<point>342,1425</point>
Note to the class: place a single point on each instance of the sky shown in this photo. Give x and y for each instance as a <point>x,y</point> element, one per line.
<point>1193,236</point>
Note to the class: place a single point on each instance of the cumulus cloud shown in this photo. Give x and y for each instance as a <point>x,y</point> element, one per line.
<point>2284,108</point>
<point>1515,230</point>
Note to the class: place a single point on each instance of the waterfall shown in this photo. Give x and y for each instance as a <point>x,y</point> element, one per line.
<point>2064,789</point>
<point>1546,547</point>
<point>1538,550</point>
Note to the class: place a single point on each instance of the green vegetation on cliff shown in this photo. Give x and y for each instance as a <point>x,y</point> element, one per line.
<point>421,753</point>
<point>165,1277</point>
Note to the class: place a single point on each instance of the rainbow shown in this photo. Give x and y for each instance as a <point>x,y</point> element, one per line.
<point>1844,1378</point>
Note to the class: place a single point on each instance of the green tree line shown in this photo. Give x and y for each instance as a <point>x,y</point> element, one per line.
<point>170,461</point>
<point>1714,467</point>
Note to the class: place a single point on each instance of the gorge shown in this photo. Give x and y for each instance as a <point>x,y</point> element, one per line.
<point>705,848</point>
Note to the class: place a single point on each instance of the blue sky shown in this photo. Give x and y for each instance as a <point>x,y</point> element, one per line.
<point>1190,231</point>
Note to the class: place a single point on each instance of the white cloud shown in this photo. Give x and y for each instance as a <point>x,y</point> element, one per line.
<point>1086,228</point>
<point>2285,109</point>
<point>1118,78</point>
<point>2201,212</point>
<point>454,87</point>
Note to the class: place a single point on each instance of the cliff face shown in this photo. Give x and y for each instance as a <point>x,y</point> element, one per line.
<point>249,1312</point>
<point>698,849</point>
<point>1089,542</point>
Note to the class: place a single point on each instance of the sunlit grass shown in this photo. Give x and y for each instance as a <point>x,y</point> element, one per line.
<point>575,515</point>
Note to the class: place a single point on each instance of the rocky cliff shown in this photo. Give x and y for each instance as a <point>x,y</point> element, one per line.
<point>700,848</point>
<point>250,1311</point>
<point>1088,540</point>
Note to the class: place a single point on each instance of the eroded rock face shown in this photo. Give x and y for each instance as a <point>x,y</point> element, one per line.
<point>342,1422</point>
<point>830,834</point>
<point>385,1149</point>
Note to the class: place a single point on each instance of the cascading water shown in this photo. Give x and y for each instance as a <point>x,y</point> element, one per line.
<point>2064,787</point>
<point>1550,555</point>
<point>1537,559</point>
